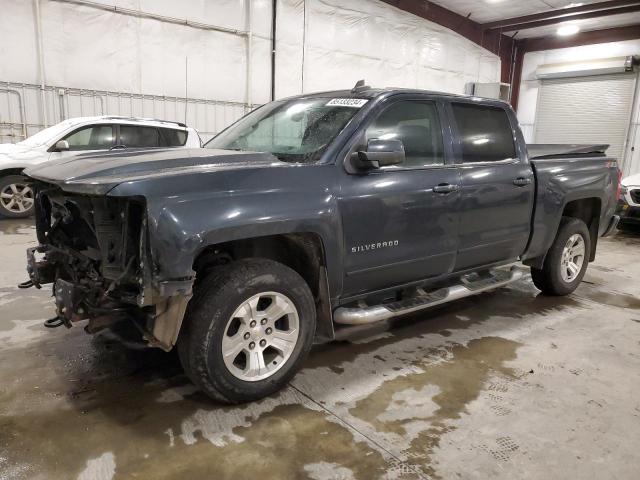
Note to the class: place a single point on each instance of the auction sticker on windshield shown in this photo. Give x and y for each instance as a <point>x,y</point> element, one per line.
<point>347,102</point>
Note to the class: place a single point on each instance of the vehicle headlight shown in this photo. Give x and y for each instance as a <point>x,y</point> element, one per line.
<point>623,191</point>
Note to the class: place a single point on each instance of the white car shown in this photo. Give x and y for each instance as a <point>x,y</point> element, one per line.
<point>629,202</point>
<point>80,135</point>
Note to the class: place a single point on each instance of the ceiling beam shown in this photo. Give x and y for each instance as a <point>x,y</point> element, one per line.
<point>608,35</point>
<point>561,15</point>
<point>580,16</point>
<point>493,41</point>
<point>442,16</point>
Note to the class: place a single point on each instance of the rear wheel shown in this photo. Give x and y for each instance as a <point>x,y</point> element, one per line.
<point>247,329</point>
<point>16,197</point>
<point>567,259</point>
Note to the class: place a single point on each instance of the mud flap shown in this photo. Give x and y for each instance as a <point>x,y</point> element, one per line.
<point>168,320</point>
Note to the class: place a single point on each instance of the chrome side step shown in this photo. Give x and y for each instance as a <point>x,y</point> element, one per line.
<point>469,286</point>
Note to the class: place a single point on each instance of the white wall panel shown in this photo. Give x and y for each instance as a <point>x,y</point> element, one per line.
<point>18,54</point>
<point>353,39</point>
<point>118,63</point>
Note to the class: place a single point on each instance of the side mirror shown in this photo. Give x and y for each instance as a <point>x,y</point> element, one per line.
<point>379,153</point>
<point>62,145</point>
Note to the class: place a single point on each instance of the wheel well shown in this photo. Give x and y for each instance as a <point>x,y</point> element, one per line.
<point>10,171</point>
<point>302,252</point>
<point>587,210</point>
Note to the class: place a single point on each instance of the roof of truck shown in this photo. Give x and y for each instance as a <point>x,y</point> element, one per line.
<point>370,92</point>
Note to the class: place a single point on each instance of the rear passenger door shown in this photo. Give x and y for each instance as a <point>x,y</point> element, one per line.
<point>497,185</point>
<point>134,136</point>
<point>138,136</point>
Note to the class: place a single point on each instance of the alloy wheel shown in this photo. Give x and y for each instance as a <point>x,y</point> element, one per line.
<point>16,198</point>
<point>260,336</point>
<point>572,258</point>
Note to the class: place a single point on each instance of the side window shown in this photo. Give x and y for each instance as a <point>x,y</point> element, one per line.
<point>485,133</point>
<point>417,125</point>
<point>132,136</point>
<point>172,138</point>
<point>96,137</point>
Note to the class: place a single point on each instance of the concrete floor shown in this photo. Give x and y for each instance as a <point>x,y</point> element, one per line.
<point>506,385</point>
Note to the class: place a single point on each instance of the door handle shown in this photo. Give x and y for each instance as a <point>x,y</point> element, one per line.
<point>445,188</point>
<point>521,181</point>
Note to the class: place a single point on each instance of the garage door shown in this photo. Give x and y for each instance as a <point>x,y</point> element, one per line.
<point>594,109</point>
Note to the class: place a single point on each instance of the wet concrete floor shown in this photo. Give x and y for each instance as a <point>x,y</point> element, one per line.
<point>510,384</point>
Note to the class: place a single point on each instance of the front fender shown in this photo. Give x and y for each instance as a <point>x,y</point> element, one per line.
<point>252,204</point>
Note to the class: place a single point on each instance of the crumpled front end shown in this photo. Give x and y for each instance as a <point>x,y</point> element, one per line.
<point>94,250</point>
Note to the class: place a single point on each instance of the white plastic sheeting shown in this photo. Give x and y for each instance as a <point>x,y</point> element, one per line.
<point>321,45</point>
<point>326,44</point>
<point>86,47</point>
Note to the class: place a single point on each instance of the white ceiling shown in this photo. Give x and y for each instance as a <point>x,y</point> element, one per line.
<point>483,11</point>
<point>585,25</point>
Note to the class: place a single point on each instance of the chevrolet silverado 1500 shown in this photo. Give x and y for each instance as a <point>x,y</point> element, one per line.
<point>309,216</point>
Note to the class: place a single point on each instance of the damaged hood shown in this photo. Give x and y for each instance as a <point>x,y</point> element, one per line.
<point>98,173</point>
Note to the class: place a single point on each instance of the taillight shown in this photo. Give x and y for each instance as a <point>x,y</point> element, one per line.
<point>619,190</point>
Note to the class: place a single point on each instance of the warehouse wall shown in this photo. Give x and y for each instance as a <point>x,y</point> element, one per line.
<point>529,89</point>
<point>113,62</point>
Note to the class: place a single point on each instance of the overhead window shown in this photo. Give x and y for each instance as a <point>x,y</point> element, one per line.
<point>485,133</point>
<point>416,124</point>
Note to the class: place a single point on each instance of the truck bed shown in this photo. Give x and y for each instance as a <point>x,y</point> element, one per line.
<point>547,150</point>
<point>566,173</point>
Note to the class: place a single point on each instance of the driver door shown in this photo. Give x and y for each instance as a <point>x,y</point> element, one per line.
<point>91,138</point>
<point>397,228</point>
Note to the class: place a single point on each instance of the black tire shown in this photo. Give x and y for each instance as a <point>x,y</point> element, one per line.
<point>5,188</point>
<point>215,299</point>
<point>549,278</point>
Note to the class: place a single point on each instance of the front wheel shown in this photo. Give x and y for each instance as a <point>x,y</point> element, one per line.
<point>567,259</point>
<point>247,329</point>
<point>16,197</point>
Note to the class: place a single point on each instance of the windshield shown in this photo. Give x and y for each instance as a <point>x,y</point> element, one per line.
<point>48,135</point>
<point>296,130</point>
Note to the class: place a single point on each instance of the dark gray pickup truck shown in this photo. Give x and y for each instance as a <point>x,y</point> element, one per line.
<point>309,217</point>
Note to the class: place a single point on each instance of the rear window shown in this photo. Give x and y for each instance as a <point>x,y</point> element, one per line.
<point>173,138</point>
<point>139,137</point>
<point>485,133</point>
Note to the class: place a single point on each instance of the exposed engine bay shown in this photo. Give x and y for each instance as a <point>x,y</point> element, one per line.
<point>95,252</point>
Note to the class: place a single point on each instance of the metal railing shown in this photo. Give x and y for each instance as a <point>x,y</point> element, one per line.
<point>21,109</point>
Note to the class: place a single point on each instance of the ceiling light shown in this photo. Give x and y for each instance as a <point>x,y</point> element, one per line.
<point>566,30</point>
